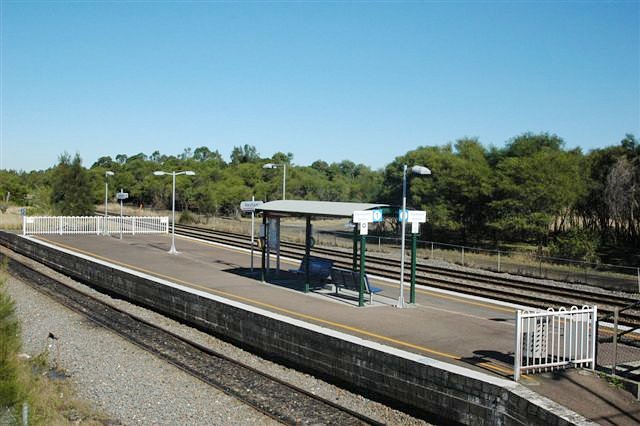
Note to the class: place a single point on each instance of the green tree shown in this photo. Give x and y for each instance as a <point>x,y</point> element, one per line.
<point>455,196</point>
<point>534,191</point>
<point>245,154</point>
<point>72,188</point>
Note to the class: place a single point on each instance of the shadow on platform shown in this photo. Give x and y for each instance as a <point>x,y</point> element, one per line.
<point>295,281</point>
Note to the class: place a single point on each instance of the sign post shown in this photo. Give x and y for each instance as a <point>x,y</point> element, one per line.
<point>363,271</point>
<point>121,196</point>
<point>250,206</point>
<point>253,219</point>
<point>412,288</point>
<point>363,217</point>
<point>415,217</point>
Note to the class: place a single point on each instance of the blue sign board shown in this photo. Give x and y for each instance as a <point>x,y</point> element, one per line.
<point>377,215</point>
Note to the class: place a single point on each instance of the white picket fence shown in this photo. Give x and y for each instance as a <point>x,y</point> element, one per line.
<point>548,340</point>
<point>62,225</point>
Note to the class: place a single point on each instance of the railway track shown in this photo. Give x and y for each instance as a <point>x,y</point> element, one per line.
<point>537,293</point>
<point>271,396</point>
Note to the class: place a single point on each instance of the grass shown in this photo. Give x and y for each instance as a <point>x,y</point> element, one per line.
<point>11,219</point>
<point>33,383</point>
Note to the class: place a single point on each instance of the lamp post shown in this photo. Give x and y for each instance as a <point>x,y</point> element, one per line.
<point>284,175</point>
<point>106,198</point>
<point>418,170</point>
<point>173,250</point>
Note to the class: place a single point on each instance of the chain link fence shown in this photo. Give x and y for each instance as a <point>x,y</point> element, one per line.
<point>622,278</point>
<point>615,277</point>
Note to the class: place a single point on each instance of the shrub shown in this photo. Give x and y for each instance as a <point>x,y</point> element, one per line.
<point>10,343</point>
<point>186,218</point>
<point>575,244</point>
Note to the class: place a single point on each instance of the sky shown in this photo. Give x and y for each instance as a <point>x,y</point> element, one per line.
<point>359,81</point>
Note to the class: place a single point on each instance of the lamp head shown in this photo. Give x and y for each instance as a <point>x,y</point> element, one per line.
<point>420,170</point>
<point>159,173</point>
<point>270,166</point>
<point>190,173</point>
<point>109,173</point>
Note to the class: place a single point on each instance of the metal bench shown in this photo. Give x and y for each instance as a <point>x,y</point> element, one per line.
<point>319,268</point>
<point>350,280</point>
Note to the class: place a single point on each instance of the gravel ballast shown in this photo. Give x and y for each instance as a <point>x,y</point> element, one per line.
<point>134,387</point>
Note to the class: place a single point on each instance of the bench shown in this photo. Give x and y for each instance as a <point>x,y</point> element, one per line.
<point>319,268</point>
<point>350,280</point>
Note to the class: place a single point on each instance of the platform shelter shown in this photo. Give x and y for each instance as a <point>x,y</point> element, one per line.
<point>274,210</point>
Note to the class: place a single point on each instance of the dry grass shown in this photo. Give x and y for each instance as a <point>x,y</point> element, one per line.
<point>11,219</point>
<point>38,386</point>
<point>52,397</point>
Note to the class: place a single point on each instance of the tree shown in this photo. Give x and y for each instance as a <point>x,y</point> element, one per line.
<point>534,191</point>
<point>186,154</point>
<point>622,198</point>
<point>281,157</point>
<point>245,154</point>
<point>203,154</point>
<point>529,144</point>
<point>105,162</point>
<point>156,157</point>
<point>72,189</point>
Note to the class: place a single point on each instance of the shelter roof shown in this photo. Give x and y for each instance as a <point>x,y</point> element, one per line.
<point>314,208</point>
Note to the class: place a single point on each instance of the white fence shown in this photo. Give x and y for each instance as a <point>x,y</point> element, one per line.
<point>97,225</point>
<point>548,340</point>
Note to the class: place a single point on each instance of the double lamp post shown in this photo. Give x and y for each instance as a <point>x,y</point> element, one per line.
<point>173,250</point>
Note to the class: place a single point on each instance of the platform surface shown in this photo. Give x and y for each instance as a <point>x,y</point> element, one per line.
<point>477,334</point>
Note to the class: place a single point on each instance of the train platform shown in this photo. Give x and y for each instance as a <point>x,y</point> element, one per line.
<point>454,328</point>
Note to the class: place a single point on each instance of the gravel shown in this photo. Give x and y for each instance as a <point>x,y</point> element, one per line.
<point>133,387</point>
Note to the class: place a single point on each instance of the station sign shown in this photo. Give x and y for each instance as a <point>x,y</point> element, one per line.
<point>377,215</point>
<point>419,216</point>
<point>122,195</point>
<point>360,216</point>
<point>411,216</point>
<point>250,206</point>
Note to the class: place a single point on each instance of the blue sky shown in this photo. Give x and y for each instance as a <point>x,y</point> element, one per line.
<point>324,80</point>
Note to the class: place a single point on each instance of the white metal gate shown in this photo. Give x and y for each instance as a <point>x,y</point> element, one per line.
<point>62,225</point>
<point>547,340</point>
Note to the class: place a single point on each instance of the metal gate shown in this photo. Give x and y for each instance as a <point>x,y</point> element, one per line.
<point>61,225</point>
<point>548,340</point>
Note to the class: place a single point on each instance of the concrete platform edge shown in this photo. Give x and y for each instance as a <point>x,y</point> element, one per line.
<point>462,395</point>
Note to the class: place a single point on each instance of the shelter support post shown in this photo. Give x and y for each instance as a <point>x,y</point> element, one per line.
<point>412,292</point>
<point>363,269</point>
<point>264,248</point>
<point>355,249</point>
<point>307,253</point>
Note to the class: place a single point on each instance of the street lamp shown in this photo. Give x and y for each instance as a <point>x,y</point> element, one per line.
<point>173,250</point>
<point>106,197</point>
<point>284,175</point>
<point>418,170</point>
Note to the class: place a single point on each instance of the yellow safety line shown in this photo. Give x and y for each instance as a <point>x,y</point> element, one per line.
<point>280,309</point>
